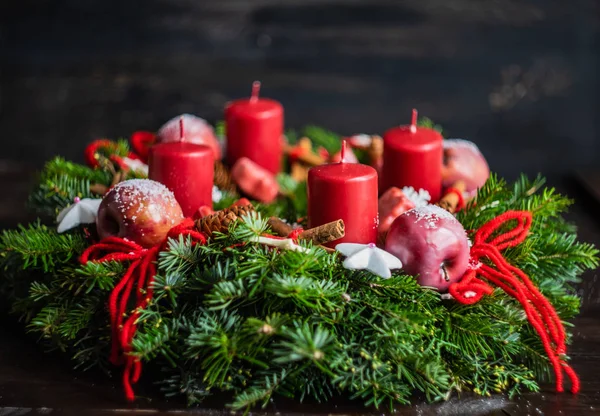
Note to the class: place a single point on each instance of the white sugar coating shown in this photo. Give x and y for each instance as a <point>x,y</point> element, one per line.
<point>192,125</point>
<point>460,143</point>
<point>135,192</point>
<point>430,215</point>
<point>418,199</point>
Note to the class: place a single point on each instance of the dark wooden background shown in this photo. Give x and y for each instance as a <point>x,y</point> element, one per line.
<point>519,77</point>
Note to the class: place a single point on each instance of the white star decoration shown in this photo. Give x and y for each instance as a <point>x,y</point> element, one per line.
<point>368,256</point>
<point>83,211</point>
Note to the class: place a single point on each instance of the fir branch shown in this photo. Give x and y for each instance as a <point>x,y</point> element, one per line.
<point>38,246</point>
<point>221,129</point>
<point>428,123</point>
<point>78,318</point>
<point>185,383</point>
<point>60,167</point>
<point>57,192</point>
<point>122,148</point>
<point>319,136</point>
<point>305,343</point>
<point>260,392</point>
<point>157,339</point>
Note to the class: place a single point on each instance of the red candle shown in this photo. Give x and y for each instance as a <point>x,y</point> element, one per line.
<point>413,156</point>
<point>187,169</point>
<point>346,191</point>
<point>254,129</point>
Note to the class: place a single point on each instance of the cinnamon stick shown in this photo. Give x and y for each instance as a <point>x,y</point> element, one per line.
<point>118,177</point>
<point>322,234</point>
<point>279,227</point>
<point>375,150</point>
<point>325,233</point>
<point>98,188</point>
<point>450,201</point>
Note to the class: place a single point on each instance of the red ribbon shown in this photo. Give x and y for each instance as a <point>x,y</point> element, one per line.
<point>494,268</point>
<point>141,142</point>
<point>92,150</point>
<point>140,274</point>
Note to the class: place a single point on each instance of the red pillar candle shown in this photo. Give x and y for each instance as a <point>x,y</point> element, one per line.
<point>254,130</point>
<point>413,156</point>
<point>346,191</point>
<point>187,169</point>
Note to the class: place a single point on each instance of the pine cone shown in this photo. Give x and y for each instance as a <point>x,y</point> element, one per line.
<point>220,220</point>
<point>223,179</point>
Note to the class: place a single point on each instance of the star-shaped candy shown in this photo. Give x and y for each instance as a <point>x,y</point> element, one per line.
<point>82,211</point>
<point>369,257</point>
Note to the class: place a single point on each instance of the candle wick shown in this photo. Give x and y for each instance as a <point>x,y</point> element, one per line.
<point>181,131</point>
<point>413,123</point>
<point>255,91</point>
<point>343,152</point>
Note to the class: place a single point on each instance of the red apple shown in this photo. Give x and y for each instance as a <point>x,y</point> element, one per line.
<point>140,210</point>
<point>463,161</point>
<point>431,244</point>
<point>254,180</point>
<point>195,130</point>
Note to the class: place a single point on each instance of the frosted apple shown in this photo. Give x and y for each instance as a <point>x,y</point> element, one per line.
<point>140,210</point>
<point>431,244</point>
<point>195,130</point>
<point>464,161</point>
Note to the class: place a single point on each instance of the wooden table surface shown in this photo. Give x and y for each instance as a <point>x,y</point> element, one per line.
<point>34,383</point>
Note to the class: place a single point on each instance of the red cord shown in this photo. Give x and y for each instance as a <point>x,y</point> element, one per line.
<point>540,313</point>
<point>295,234</point>
<point>92,149</point>
<point>137,279</point>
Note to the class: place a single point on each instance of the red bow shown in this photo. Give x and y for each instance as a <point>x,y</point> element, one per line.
<point>140,273</point>
<point>141,142</point>
<point>540,312</point>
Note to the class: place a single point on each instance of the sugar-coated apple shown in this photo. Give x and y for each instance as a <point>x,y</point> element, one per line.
<point>195,130</point>
<point>431,244</point>
<point>140,210</point>
<point>464,161</point>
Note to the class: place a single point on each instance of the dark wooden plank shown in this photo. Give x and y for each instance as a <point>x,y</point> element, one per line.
<point>516,76</point>
<point>590,179</point>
